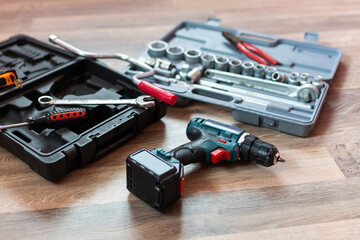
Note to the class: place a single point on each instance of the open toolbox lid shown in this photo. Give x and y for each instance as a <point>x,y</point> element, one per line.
<point>30,59</point>
<point>272,109</point>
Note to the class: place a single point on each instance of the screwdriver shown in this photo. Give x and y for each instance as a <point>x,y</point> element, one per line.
<point>55,119</point>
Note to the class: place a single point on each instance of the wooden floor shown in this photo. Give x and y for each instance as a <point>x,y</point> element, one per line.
<point>314,195</point>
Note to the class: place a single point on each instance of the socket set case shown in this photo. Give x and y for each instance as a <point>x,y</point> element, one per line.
<point>250,104</point>
<point>48,70</point>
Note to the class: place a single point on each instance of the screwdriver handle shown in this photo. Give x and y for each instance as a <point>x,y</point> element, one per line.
<point>59,118</point>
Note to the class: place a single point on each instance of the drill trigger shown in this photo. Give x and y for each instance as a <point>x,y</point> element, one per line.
<point>219,154</point>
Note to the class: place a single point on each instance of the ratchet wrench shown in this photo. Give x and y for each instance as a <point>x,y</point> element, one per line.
<point>143,101</point>
<point>306,92</point>
<point>144,86</point>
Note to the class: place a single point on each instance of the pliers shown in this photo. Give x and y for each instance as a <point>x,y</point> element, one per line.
<point>249,50</point>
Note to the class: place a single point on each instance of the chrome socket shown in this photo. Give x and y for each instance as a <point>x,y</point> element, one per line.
<point>318,82</point>
<point>259,71</point>
<point>235,66</point>
<point>188,75</point>
<point>304,79</point>
<point>247,69</point>
<point>175,53</point>
<point>157,63</point>
<point>294,78</point>
<point>208,61</point>
<point>192,55</point>
<point>279,77</point>
<point>194,75</point>
<point>269,72</point>
<point>221,63</point>
<point>157,48</point>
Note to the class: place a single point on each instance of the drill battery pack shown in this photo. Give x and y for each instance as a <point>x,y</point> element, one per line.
<point>48,70</point>
<point>155,177</point>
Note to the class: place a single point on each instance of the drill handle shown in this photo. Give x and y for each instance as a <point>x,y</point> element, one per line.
<point>191,152</point>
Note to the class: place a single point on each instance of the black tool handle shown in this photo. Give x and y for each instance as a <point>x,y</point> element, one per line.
<point>59,118</point>
<point>190,152</point>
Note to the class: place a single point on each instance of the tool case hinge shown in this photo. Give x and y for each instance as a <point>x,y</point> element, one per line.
<point>311,37</point>
<point>213,21</point>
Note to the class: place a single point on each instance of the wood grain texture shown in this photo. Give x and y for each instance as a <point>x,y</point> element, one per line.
<point>314,195</point>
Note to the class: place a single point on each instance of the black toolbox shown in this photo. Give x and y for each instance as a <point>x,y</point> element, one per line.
<point>47,70</point>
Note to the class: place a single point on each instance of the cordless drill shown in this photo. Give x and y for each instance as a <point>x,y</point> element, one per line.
<point>157,176</point>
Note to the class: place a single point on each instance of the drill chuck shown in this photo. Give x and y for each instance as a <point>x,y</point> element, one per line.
<point>252,149</point>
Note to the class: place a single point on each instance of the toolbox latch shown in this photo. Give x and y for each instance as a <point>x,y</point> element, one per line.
<point>213,21</point>
<point>311,37</point>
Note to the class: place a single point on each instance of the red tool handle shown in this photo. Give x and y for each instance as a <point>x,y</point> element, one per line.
<point>59,118</point>
<point>261,53</point>
<point>157,92</point>
<point>251,55</point>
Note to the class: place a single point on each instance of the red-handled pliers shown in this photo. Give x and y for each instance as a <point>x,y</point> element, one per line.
<point>249,50</point>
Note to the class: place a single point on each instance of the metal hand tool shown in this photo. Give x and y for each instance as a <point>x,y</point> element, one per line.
<point>235,66</point>
<point>259,71</point>
<point>304,79</point>
<point>239,95</point>
<point>294,78</point>
<point>143,101</point>
<point>221,89</point>
<point>175,53</point>
<point>207,60</point>
<point>55,119</point>
<point>144,86</point>
<point>222,63</point>
<point>249,50</point>
<point>247,69</point>
<point>157,63</point>
<point>192,55</point>
<point>196,82</point>
<point>157,48</point>
<point>279,77</point>
<point>269,72</point>
<point>189,75</point>
<point>318,82</point>
<point>307,92</point>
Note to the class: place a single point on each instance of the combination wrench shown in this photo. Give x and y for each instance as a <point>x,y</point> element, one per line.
<point>306,92</point>
<point>143,101</point>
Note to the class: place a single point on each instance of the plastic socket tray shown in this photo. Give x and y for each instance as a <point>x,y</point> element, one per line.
<point>47,70</point>
<point>250,105</point>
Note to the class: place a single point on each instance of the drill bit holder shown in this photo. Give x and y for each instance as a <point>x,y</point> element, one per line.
<point>287,97</point>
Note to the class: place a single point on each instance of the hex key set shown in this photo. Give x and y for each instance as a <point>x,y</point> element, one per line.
<point>266,81</point>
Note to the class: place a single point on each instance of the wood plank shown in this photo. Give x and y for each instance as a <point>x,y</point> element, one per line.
<point>349,229</point>
<point>250,210</point>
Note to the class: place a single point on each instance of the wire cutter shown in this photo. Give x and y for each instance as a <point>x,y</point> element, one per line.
<point>249,50</point>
